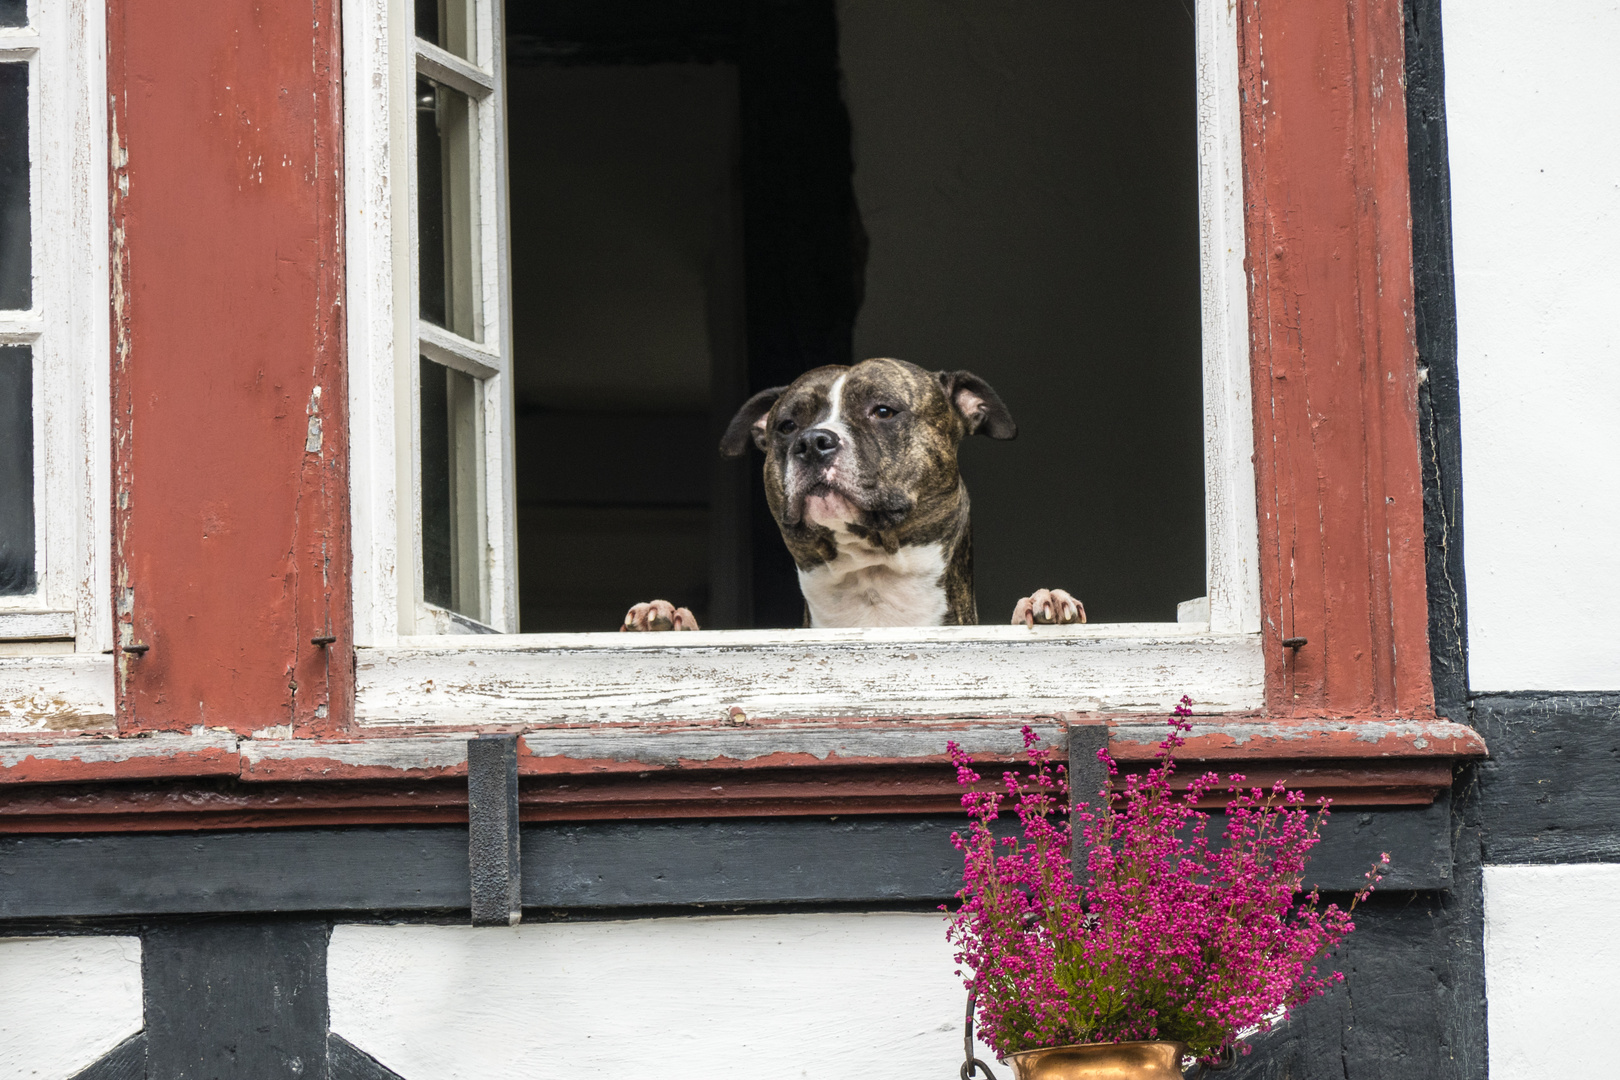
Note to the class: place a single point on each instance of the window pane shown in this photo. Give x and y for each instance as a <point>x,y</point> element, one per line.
<point>16,284</point>
<point>447,24</point>
<point>452,487</point>
<point>13,12</point>
<point>447,183</point>
<point>16,470</point>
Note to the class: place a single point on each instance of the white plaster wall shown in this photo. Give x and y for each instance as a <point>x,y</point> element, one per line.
<point>65,1001</point>
<point>1533,107</point>
<point>1552,970</point>
<point>767,997</point>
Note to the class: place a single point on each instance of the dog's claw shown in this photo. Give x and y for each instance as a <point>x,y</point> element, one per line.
<point>1048,607</point>
<point>658,615</point>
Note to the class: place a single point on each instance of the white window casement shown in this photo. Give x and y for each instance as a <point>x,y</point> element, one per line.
<point>55,450</point>
<point>429,319</point>
<point>433,492</point>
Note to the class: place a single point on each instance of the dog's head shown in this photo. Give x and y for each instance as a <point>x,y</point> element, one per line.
<point>870,449</point>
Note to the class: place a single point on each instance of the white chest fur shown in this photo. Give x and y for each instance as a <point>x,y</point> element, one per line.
<point>866,586</point>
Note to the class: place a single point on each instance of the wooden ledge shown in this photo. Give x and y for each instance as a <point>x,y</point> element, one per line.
<point>212,780</point>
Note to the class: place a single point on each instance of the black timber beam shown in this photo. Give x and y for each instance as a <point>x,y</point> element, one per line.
<point>593,865</point>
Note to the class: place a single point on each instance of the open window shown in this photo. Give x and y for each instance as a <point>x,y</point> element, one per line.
<point>700,200</point>
<point>54,444</point>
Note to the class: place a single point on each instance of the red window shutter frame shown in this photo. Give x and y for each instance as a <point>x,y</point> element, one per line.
<point>1334,358</point>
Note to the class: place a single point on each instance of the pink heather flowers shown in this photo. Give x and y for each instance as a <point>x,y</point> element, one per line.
<point>1172,936</point>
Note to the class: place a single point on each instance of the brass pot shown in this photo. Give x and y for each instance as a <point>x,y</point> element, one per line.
<point>1101,1061</point>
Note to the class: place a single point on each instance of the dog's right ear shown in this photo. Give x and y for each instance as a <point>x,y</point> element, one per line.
<point>979,405</point>
<point>750,420</point>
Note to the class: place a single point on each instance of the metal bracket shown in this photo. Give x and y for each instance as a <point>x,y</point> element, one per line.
<point>492,831</point>
<point>1087,776</point>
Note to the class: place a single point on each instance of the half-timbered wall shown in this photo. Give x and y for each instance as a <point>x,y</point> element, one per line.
<point>241,883</point>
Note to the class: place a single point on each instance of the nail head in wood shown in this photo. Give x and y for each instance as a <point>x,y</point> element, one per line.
<point>136,650</point>
<point>324,640</point>
<point>1295,643</point>
<point>492,830</point>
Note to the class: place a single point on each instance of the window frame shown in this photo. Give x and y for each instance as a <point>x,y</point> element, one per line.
<point>387,334</point>
<point>404,661</point>
<point>67,328</point>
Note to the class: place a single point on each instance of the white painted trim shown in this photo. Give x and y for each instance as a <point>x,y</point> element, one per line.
<point>701,676</point>
<point>68,330</point>
<point>37,625</point>
<point>455,351</point>
<point>1231,518</point>
<point>370,92</point>
<point>451,70</point>
<point>405,678</point>
<point>67,325</point>
<point>381,59</point>
<point>56,693</point>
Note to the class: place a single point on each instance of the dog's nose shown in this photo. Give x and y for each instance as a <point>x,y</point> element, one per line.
<point>816,445</point>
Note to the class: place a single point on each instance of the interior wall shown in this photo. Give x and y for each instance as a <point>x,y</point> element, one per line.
<point>624,299</point>
<point>1026,176</point>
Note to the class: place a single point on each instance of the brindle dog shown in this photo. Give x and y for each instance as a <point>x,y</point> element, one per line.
<point>861,476</point>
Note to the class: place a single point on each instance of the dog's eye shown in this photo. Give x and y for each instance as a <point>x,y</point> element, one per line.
<point>883,412</point>
<point>787,427</point>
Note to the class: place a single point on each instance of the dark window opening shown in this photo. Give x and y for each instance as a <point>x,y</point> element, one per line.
<point>16,247</point>
<point>17,575</point>
<point>709,197</point>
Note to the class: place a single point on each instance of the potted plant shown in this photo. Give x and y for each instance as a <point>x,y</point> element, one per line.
<point>1171,945</point>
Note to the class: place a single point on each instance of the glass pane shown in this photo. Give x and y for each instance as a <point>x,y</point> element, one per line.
<point>16,470</point>
<point>13,12</point>
<point>447,24</point>
<point>452,490</point>
<point>446,203</point>
<point>16,275</point>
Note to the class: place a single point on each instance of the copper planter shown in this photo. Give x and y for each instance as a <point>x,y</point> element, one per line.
<point>1101,1061</point>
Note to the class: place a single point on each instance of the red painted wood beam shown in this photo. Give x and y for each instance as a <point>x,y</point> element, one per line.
<point>231,549</point>
<point>217,781</point>
<point>700,793</point>
<point>1334,358</point>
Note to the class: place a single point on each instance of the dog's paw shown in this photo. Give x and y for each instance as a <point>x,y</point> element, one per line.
<point>1048,606</point>
<point>658,615</point>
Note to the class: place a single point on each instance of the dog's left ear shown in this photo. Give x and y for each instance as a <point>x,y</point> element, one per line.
<point>749,421</point>
<point>979,405</point>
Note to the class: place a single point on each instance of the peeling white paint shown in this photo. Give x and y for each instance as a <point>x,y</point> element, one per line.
<point>67,332</point>
<point>900,671</point>
<point>56,693</point>
<point>424,753</point>
<point>157,745</point>
<point>773,997</point>
<point>65,1001</point>
<point>912,739</point>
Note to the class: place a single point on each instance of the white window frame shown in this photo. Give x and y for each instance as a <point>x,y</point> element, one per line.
<point>410,671</point>
<point>386,334</point>
<point>56,670</point>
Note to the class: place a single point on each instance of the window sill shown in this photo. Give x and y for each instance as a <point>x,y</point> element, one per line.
<point>693,677</point>
<point>162,782</point>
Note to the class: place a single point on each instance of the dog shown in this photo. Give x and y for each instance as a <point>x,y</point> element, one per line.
<point>861,477</point>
